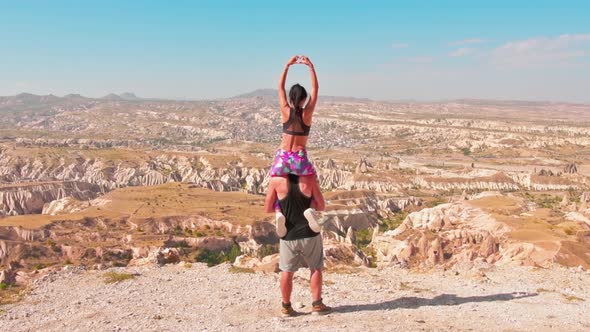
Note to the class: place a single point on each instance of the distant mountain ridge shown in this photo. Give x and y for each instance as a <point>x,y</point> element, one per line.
<point>122,96</point>
<point>271,94</point>
<point>111,96</point>
<point>26,98</point>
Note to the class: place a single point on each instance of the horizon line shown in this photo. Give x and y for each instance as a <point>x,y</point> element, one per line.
<point>244,95</point>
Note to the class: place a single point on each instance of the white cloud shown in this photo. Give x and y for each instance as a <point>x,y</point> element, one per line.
<point>467,41</point>
<point>463,51</point>
<point>400,45</point>
<point>559,50</point>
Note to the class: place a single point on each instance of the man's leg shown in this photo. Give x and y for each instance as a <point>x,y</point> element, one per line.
<point>315,282</point>
<point>286,286</point>
<point>317,306</point>
<point>314,254</point>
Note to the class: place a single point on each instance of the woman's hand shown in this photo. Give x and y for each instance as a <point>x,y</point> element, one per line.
<point>306,61</point>
<point>292,61</point>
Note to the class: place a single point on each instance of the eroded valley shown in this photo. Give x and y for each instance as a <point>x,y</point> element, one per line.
<point>115,182</point>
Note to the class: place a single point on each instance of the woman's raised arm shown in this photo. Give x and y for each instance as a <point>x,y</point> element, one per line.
<point>314,84</point>
<point>283,102</point>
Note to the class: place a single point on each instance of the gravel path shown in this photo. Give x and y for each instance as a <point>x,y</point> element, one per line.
<point>197,298</point>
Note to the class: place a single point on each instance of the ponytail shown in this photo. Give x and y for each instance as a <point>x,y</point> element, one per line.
<point>296,95</point>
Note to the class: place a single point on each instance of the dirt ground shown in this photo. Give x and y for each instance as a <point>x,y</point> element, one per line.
<point>198,298</point>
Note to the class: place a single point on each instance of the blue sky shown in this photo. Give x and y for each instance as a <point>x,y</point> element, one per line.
<point>423,50</point>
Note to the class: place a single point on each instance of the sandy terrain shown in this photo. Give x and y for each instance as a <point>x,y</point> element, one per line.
<point>195,298</point>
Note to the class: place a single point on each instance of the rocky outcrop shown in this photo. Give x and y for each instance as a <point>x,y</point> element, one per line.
<point>461,233</point>
<point>268,263</point>
<point>27,199</point>
<point>446,234</point>
<point>496,182</point>
<point>30,234</point>
<point>64,205</point>
<point>343,254</point>
<point>363,166</point>
<point>570,168</point>
<point>155,256</point>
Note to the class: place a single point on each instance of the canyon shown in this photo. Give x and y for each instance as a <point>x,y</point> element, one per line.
<point>102,183</point>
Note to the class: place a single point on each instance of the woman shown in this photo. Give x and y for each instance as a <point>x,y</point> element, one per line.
<point>291,157</point>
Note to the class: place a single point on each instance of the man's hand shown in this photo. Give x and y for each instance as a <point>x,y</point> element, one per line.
<point>271,196</point>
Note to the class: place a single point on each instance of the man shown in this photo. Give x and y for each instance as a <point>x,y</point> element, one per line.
<point>301,244</point>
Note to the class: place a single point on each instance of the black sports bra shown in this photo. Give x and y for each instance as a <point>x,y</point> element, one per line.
<point>295,125</point>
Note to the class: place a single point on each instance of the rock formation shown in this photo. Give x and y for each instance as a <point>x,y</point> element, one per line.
<point>462,233</point>
<point>570,168</point>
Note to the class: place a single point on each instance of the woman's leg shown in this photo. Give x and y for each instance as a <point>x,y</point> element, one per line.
<point>278,169</point>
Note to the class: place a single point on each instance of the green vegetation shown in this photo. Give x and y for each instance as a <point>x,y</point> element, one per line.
<point>574,196</point>
<point>573,298</point>
<point>178,230</point>
<point>570,298</point>
<point>363,237</point>
<point>39,266</point>
<point>10,293</point>
<point>393,223</point>
<point>435,202</point>
<point>235,269</point>
<point>113,277</point>
<point>161,141</point>
<point>197,233</point>
<point>372,255</point>
<point>213,258</point>
<point>178,244</point>
<point>544,200</point>
<point>267,249</point>
<point>53,246</point>
<point>466,151</point>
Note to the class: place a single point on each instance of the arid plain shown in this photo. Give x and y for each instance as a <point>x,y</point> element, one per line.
<point>470,186</point>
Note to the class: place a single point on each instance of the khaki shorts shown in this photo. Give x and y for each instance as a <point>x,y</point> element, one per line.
<point>307,252</point>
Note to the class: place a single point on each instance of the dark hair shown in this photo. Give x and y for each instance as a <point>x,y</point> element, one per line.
<point>296,95</point>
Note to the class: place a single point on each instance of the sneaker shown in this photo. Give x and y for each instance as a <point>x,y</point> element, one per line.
<point>314,218</point>
<point>319,308</point>
<point>287,310</point>
<point>280,224</point>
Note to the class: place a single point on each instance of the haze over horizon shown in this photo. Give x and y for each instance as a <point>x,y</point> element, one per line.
<point>381,50</point>
<point>272,93</point>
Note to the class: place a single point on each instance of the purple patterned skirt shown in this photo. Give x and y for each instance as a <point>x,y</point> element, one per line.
<point>291,162</point>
